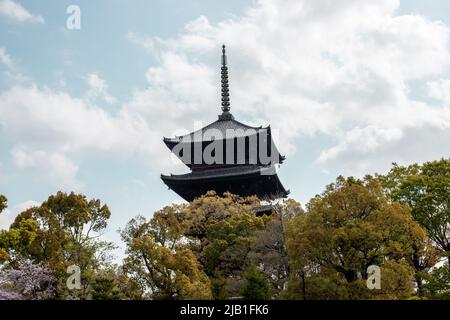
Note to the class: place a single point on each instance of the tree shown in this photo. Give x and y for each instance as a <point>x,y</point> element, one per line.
<point>112,283</point>
<point>256,285</point>
<point>159,257</point>
<point>223,231</point>
<point>63,231</point>
<point>348,228</point>
<point>29,282</point>
<point>426,189</point>
<point>437,284</point>
<point>3,203</point>
<point>105,287</point>
<point>268,251</point>
<point>3,251</point>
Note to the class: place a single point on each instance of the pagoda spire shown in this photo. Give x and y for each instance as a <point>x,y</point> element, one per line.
<point>225,89</point>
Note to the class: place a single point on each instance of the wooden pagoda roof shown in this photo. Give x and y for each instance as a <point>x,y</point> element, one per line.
<point>244,181</point>
<point>222,126</point>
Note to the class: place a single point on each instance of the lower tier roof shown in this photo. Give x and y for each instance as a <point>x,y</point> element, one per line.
<point>243,181</point>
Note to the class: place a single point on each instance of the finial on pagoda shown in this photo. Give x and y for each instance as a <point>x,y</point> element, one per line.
<point>225,89</point>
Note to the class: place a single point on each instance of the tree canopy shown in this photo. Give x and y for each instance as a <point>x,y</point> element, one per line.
<point>348,228</point>
<point>63,231</point>
<point>426,190</point>
<point>377,237</point>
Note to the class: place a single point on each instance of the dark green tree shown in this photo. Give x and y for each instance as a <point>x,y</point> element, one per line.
<point>437,284</point>
<point>256,285</point>
<point>426,189</point>
<point>3,203</point>
<point>105,287</point>
<point>3,251</point>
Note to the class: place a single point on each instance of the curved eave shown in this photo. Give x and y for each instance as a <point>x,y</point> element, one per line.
<point>170,143</point>
<point>264,187</point>
<point>211,126</point>
<point>186,138</point>
<point>213,174</point>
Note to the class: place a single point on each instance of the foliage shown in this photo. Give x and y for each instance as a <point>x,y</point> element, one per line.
<point>268,252</point>
<point>348,228</point>
<point>219,247</point>
<point>224,232</point>
<point>3,203</point>
<point>158,256</point>
<point>106,286</point>
<point>63,231</point>
<point>256,285</point>
<point>28,282</point>
<point>437,284</point>
<point>220,237</point>
<point>426,189</point>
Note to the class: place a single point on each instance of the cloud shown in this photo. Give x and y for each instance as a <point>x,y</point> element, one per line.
<point>11,71</point>
<point>99,88</point>
<point>440,90</point>
<point>340,70</point>
<point>363,140</point>
<point>8,216</point>
<point>16,11</point>
<point>50,132</point>
<point>5,59</point>
<point>52,166</point>
<point>344,70</point>
<point>147,43</point>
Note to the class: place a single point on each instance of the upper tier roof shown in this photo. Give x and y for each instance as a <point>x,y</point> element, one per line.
<point>221,125</point>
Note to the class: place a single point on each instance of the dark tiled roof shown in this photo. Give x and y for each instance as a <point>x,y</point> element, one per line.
<point>221,172</point>
<point>244,181</point>
<point>228,123</point>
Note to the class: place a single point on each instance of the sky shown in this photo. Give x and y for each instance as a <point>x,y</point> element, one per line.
<point>348,87</point>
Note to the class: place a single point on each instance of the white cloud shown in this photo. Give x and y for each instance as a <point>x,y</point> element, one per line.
<point>440,90</point>
<point>147,43</point>
<point>53,166</point>
<point>99,88</point>
<point>11,72</point>
<point>51,131</point>
<point>342,69</point>
<point>5,59</point>
<point>364,140</point>
<point>17,12</point>
<point>8,216</point>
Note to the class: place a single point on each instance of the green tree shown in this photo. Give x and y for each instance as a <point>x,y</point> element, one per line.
<point>269,247</point>
<point>348,228</point>
<point>111,283</point>
<point>437,285</point>
<point>224,232</point>
<point>426,189</point>
<point>3,203</point>
<point>158,255</point>
<point>63,231</point>
<point>3,251</point>
<point>105,286</point>
<point>256,285</point>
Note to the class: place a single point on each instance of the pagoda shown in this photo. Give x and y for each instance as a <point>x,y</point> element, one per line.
<point>227,156</point>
